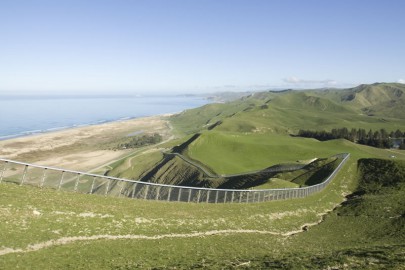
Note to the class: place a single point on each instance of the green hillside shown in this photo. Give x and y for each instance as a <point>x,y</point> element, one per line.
<point>44,229</point>
<point>367,106</point>
<point>253,133</point>
<point>356,222</point>
<point>379,99</point>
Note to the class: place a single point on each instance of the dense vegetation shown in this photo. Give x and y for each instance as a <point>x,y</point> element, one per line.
<point>378,138</point>
<point>140,141</point>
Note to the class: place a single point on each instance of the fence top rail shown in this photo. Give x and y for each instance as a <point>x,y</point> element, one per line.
<point>345,155</point>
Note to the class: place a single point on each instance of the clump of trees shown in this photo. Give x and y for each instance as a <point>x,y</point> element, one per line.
<point>140,141</point>
<point>378,138</point>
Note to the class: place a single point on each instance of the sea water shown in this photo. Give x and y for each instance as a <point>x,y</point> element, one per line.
<point>21,116</point>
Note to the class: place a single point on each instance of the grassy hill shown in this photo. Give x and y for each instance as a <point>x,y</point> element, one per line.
<point>44,229</point>
<point>367,106</point>
<point>253,133</point>
<point>379,99</point>
<point>357,222</point>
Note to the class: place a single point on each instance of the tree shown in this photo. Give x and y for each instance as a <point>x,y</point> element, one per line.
<point>362,136</point>
<point>377,139</point>
<point>353,135</point>
<point>384,134</point>
<point>344,133</point>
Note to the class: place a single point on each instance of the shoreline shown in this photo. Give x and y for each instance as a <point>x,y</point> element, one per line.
<point>58,129</point>
<point>81,147</point>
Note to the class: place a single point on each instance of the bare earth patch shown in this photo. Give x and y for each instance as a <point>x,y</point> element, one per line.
<point>68,240</point>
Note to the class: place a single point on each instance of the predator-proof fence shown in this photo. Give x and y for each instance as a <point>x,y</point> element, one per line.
<point>60,179</point>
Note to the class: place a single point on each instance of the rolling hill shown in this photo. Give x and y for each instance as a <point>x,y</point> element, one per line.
<point>356,222</point>
<point>374,106</point>
<point>253,133</point>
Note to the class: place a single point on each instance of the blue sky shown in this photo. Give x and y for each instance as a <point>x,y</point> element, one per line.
<point>171,46</point>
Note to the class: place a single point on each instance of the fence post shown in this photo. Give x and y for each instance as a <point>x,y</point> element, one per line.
<point>240,196</point>
<point>77,182</point>
<point>92,185</point>
<point>208,196</point>
<point>189,195</point>
<point>108,187</point>
<point>168,195</point>
<point>216,197</point>
<point>233,196</point>
<point>24,174</point>
<point>146,192</point>
<point>179,196</point>
<point>133,190</point>
<point>247,196</point>
<point>61,180</point>
<point>41,184</point>
<point>122,187</point>
<point>198,195</point>
<point>4,169</point>
<point>226,192</point>
<point>157,193</point>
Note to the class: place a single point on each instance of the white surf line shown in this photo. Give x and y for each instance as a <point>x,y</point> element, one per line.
<point>68,240</point>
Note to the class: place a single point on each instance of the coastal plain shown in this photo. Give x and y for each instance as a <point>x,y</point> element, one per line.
<point>81,148</point>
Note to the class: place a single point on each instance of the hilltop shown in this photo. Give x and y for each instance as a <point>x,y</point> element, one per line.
<point>378,99</point>
<point>253,133</point>
<point>379,105</point>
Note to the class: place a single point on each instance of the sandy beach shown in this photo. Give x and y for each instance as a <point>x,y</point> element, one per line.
<point>82,148</point>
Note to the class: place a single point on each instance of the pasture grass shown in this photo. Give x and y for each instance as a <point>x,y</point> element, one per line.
<point>229,153</point>
<point>344,239</point>
<point>64,214</point>
<point>366,231</point>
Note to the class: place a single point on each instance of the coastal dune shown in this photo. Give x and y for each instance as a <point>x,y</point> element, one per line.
<point>81,148</point>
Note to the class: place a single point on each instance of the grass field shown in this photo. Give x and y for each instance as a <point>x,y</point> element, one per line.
<point>356,222</point>
<point>45,229</point>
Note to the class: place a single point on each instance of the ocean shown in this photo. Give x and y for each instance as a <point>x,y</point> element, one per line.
<point>22,116</point>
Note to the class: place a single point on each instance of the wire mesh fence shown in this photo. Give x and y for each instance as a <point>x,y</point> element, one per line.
<point>81,182</point>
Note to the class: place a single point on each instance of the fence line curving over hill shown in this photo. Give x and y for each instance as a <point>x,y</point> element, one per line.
<point>81,182</point>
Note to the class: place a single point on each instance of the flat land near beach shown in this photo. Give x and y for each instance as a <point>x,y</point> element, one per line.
<point>82,148</point>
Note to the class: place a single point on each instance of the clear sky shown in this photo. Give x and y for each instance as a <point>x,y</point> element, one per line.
<point>129,46</point>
